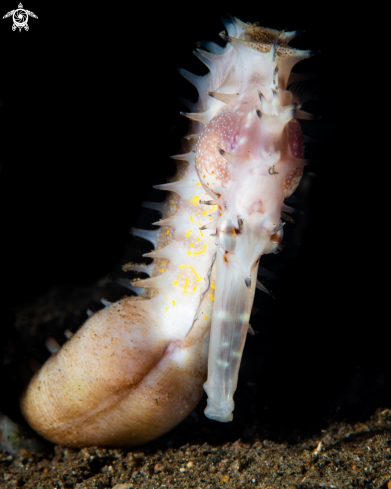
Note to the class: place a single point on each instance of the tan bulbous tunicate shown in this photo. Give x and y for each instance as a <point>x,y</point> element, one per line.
<point>117,382</point>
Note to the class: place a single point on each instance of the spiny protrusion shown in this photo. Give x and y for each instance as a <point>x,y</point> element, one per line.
<point>150,283</point>
<point>209,202</point>
<point>138,267</point>
<point>204,59</point>
<point>190,157</point>
<point>234,41</point>
<point>149,235</point>
<point>287,37</point>
<point>230,157</point>
<point>192,136</point>
<point>250,330</point>
<point>211,61</point>
<point>164,222</point>
<point>277,228</point>
<point>171,186</point>
<point>105,302</point>
<point>274,108</point>
<point>287,61</point>
<point>210,46</point>
<point>52,345</point>
<point>287,218</point>
<point>229,23</point>
<point>200,82</point>
<point>89,313</point>
<point>202,117</point>
<point>273,53</point>
<point>306,116</point>
<point>267,92</point>
<point>287,208</point>
<point>156,206</point>
<point>209,225</point>
<point>261,287</point>
<point>124,282</point>
<point>187,103</point>
<point>275,79</point>
<point>154,254</point>
<point>227,98</point>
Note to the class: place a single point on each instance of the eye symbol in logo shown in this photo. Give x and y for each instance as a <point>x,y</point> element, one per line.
<point>20,17</point>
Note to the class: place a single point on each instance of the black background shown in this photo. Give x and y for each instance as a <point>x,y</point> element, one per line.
<point>88,121</point>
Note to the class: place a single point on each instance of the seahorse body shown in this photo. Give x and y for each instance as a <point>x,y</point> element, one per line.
<point>136,368</point>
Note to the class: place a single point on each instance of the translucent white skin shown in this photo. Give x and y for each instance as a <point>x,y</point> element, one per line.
<point>136,368</point>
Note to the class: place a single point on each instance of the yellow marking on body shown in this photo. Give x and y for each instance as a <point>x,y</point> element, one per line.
<point>201,233</point>
<point>173,303</point>
<point>161,270</point>
<point>213,286</point>
<point>214,207</point>
<point>192,269</point>
<point>198,184</point>
<point>191,244</point>
<point>197,252</point>
<point>179,274</point>
<point>194,288</point>
<point>210,219</point>
<point>212,297</point>
<point>176,282</point>
<point>206,317</point>
<point>166,308</point>
<point>198,239</point>
<point>185,287</point>
<point>168,232</point>
<point>188,233</point>
<point>194,200</point>
<point>195,222</point>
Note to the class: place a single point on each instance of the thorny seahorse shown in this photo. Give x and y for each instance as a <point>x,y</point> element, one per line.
<point>137,368</point>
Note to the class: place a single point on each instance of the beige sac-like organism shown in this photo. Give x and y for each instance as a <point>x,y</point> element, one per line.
<point>137,368</point>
